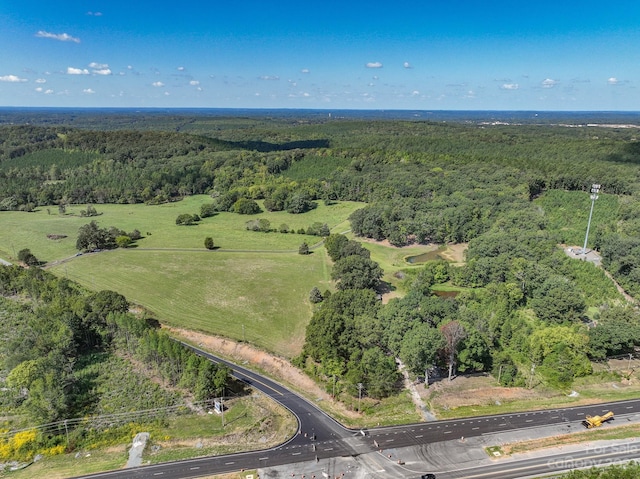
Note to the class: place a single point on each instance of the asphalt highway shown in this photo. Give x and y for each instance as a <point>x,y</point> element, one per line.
<point>320,437</point>
<point>543,466</point>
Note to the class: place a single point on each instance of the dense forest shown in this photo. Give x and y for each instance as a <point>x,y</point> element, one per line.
<point>524,304</point>
<point>69,353</point>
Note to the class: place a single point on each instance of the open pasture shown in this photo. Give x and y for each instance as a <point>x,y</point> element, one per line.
<point>261,297</point>
<point>157,225</point>
<point>254,287</point>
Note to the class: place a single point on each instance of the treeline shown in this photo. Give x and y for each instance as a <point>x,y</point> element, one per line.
<point>376,161</point>
<point>57,330</point>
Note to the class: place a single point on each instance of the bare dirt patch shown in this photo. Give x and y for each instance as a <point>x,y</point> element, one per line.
<point>472,390</point>
<point>455,252</point>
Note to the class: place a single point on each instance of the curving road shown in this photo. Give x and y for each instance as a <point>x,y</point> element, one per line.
<point>321,437</point>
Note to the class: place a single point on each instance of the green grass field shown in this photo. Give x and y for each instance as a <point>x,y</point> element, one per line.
<point>228,230</point>
<point>255,287</point>
<point>258,297</point>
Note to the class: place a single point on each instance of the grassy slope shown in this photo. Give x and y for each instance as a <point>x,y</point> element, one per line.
<point>259,293</point>
<point>214,292</point>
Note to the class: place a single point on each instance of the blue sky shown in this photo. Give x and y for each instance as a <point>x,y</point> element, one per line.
<point>423,55</point>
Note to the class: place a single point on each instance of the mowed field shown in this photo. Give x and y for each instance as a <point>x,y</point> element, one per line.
<point>255,287</point>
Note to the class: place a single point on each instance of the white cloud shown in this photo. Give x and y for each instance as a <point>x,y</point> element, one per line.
<point>63,37</point>
<point>304,70</point>
<point>48,92</point>
<point>407,65</point>
<point>549,83</point>
<point>166,93</point>
<point>98,66</point>
<point>194,83</point>
<point>157,84</point>
<point>39,89</point>
<point>374,65</point>
<point>129,67</point>
<point>180,69</point>
<point>88,91</point>
<point>510,86</point>
<point>104,71</point>
<point>12,79</point>
<point>612,81</point>
<point>269,77</point>
<point>94,14</point>
<point>77,71</point>
<point>415,93</point>
<point>41,80</point>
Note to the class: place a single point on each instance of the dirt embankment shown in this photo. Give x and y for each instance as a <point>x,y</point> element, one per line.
<point>278,368</point>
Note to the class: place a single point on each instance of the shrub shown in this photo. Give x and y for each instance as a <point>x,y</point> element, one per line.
<point>246,206</point>
<point>27,257</point>
<point>123,241</point>
<point>185,219</point>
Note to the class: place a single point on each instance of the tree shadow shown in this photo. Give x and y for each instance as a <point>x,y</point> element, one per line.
<point>384,287</point>
<point>265,147</point>
<point>629,153</point>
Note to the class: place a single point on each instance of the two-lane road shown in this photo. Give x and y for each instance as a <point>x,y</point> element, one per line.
<point>320,437</point>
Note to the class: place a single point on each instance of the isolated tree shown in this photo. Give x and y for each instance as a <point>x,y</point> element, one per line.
<point>91,237</point>
<point>315,296</point>
<point>185,219</point>
<point>453,333</point>
<point>324,230</point>
<point>304,248</point>
<point>27,257</point>
<point>90,211</point>
<point>208,242</point>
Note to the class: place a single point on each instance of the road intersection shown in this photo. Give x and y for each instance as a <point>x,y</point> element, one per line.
<point>320,439</point>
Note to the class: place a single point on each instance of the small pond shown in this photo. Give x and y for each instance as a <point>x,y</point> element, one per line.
<point>424,257</point>
<point>446,294</point>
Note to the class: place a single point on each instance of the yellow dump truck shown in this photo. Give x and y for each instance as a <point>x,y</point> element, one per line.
<point>595,421</point>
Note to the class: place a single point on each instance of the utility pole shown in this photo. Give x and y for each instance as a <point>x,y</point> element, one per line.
<point>360,386</point>
<point>595,188</point>
<point>533,370</point>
